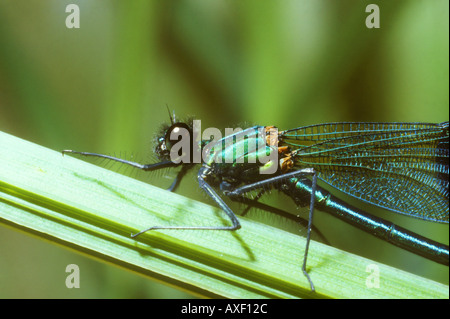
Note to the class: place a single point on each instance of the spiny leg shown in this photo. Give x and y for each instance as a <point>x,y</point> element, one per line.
<point>254,203</point>
<point>307,171</point>
<point>210,191</point>
<point>179,177</point>
<point>310,221</point>
<point>254,200</point>
<point>145,167</point>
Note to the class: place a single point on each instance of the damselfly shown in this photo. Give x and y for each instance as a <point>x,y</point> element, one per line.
<point>401,167</point>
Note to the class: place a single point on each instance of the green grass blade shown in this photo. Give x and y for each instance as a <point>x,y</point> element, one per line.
<point>93,210</point>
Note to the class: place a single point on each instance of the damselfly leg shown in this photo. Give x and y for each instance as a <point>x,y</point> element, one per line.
<point>279,179</point>
<point>145,167</point>
<point>203,172</point>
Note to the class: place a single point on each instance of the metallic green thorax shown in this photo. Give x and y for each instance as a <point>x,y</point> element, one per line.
<point>244,153</point>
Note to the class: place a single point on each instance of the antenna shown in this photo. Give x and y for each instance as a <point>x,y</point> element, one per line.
<point>172,118</point>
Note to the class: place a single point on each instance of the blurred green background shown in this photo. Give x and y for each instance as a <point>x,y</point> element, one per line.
<point>104,87</point>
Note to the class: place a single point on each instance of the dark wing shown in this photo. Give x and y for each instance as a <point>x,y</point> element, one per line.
<point>402,167</point>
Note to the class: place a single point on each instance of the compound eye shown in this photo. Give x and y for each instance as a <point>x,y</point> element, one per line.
<point>162,143</point>
<point>177,132</point>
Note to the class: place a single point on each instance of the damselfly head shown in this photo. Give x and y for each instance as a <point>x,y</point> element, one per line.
<point>170,135</point>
